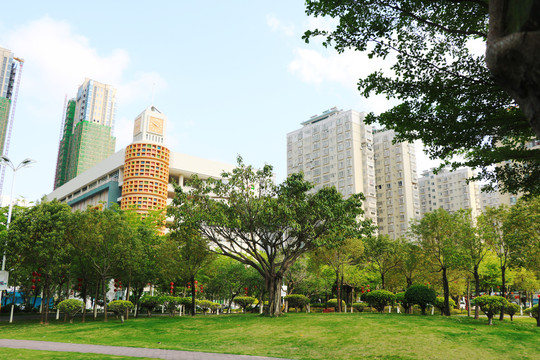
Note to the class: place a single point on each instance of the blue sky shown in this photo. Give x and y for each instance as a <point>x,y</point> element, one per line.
<point>233,77</point>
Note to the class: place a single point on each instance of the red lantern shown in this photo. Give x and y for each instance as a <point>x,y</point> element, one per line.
<point>172,287</point>
<point>34,273</point>
<point>368,290</point>
<point>119,283</point>
<point>201,291</point>
<point>79,279</point>
<point>38,280</point>
<point>196,282</point>
<point>39,275</point>
<point>115,290</point>
<point>172,283</point>
<point>196,290</point>
<point>539,296</point>
<point>33,280</point>
<point>79,289</point>
<point>362,291</point>
<point>497,286</point>
<point>33,287</point>
<point>517,297</point>
<point>171,291</point>
<point>189,287</point>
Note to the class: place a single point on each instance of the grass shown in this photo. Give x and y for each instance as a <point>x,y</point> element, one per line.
<point>305,336</point>
<point>16,354</point>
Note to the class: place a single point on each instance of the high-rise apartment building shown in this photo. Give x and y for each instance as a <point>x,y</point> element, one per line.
<point>396,184</point>
<point>336,149</point>
<point>10,74</point>
<point>449,190</point>
<point>88,126</point>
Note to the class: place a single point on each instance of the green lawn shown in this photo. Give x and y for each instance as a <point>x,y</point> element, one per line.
<point>19,354</point>
<point>306,336</point>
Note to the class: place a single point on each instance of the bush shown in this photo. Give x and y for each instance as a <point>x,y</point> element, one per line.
<point>532,311</point>
<point>439,303</point>
<point>244,301</point>
<point>490,305</point>
<point>400,299</point>
<point>332,303</point>
<point>70,307</point>
<point>119,307</point>
<point>420,295</point>
<point>150,303</point>
<point>297,301</point>
<point>512,309</point>
<point>379,299</point>
<point>206,305</point>
<point>359,306</point>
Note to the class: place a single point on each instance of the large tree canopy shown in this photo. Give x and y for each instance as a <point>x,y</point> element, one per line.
<point>449,98</point>
<point>266,226</point>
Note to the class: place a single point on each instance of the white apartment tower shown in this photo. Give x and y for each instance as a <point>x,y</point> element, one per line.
<point>336,149</point>
<point>449,190</point>
<point>396,184</point>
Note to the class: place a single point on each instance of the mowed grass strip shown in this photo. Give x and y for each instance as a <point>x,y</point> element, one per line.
<point>19,354</point>
<point>305,336</point>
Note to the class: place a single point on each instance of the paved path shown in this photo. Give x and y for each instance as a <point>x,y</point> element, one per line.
<point>123,351</point>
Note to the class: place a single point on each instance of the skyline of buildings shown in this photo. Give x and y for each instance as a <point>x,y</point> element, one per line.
<point>87,134</point>
<point>140,176</point>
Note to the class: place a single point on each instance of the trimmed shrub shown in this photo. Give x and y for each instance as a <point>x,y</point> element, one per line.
<point>297,301</point>
<point>512,309</point>
<point>206,305</point>
<point>359,306</point>
<point>400,299</point>
<point>490,305</point>
<point>379,299</point>
<point>439,303</point>
<point>244,301</point>
<point>534,312</point>
<point>171,303</point>
<point>332,303</point>
<point>119,307</point>
<point>150,303</point>
<point>70,307</point>
<point>420,295</point>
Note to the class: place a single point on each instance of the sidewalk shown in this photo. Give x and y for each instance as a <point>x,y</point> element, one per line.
<point>123,351</point>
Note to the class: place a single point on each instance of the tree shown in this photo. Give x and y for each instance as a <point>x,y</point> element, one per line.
<point>379,299</point>
<point>423,296</point>
<point>522,229</point>
<point>248,218</point>
<point>382,253</point>
<point>449,99</point>
<point>493,234</point>
<point>490,305</point>
<point>338,258</point>
<point>39,235</point>
<point>438,233</point>
<point>410,262</point>
<point>439,303</point>
<point>474,248</point>
<point>103,236</point>
<point>71,307</point>
<point>187,253</point>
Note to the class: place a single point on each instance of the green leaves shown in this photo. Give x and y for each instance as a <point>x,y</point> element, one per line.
<point>449,99</point>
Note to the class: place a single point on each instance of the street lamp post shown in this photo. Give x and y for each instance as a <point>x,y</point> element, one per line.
<point>4,160</point>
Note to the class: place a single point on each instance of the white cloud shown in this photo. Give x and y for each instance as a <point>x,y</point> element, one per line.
<point>314,67</point>
<point>57,60</point>
<point>276,25</point>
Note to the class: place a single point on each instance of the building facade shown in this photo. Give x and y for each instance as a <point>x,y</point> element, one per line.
<point>396,182</point>
<point>449,190</point>
<point>87,135</point>
<point>336,149</point>
<point>139,177</point>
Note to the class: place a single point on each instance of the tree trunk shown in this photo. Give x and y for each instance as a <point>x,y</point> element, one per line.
<point>96,299</point>
<point>382,281</point>
<point>273,286</point>
<point>490,320</point>
<point>512,53</point>
<point>503,289</point>
<point>476,291</point>
<point>192,295</point>
<point>84,296</point>
<point>446,290</point>
<point>127,298</point>
<point>104,293</point>
<point>467,298</point>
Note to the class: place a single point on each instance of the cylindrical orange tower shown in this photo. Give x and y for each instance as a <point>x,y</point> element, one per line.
<point>146,176</point>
